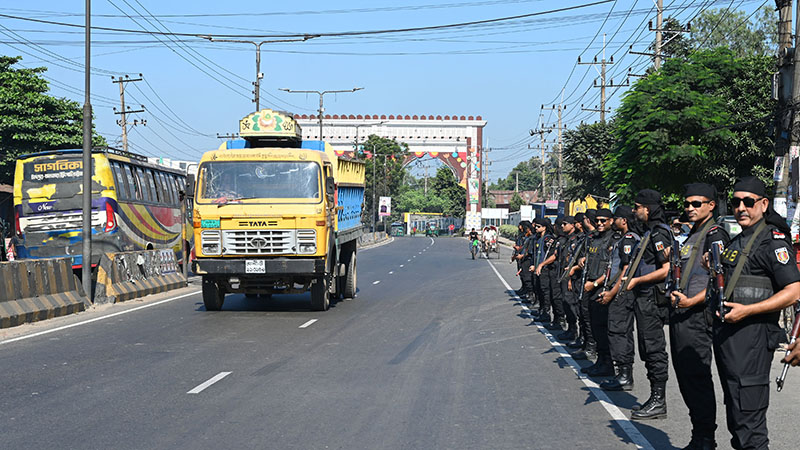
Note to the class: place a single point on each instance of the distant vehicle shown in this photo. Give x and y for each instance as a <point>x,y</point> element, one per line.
<point>432,229</point>
<point>731,226</point>
<point>136,205</point>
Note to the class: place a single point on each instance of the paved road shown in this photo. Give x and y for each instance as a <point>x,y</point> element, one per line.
<point>433,353</point>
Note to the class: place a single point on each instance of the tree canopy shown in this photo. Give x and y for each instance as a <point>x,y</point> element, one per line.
<point>31,120</point>
<point>734,29</point>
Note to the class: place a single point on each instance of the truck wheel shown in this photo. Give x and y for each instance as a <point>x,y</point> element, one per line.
<point>349,290</point>
<point>320,296</point>
<point>213,296</point>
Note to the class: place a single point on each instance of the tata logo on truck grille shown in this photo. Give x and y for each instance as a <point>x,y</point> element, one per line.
<point>258,242</point>
<point>258,223</point>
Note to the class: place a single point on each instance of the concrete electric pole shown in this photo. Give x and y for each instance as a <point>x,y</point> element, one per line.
<point>123,113</point>
<point>603,85</point>
<point>321,106</point>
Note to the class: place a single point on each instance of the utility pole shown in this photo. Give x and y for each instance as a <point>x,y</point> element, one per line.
<point>86,157</point>
<point>259,74</point>
<point>780,203</point>
<point>603,85</point>
<point>541,132</point>
<point>560,128</point>
<point>321,106</point>
<point>123,122</point>
<point>659,45</point>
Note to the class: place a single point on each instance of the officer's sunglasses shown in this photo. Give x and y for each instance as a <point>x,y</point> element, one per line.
<point>599,220</point>
<point>749,202</point>
<point>694,203</point>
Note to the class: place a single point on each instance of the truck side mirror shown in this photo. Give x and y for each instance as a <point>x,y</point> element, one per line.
<point>189,186</point>
<point>330,187</point>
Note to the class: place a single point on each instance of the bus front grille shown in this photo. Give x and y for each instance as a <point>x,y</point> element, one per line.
<point>259,242</point>
<point>59,221</point>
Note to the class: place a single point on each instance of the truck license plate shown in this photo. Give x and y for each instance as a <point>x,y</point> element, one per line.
<point>255,266</point>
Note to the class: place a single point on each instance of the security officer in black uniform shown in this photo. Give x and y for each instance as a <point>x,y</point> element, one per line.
<point>690,320</point>
<point>542,281</point>
<point>566,251</point>
<point>525,258</point>
<point>620,304</point>
<point>761,279</point>
<point>587,343</point>
<point>548,274</point>
<point>651,305</point>
<point>518,242</point>
<point>599,255</point>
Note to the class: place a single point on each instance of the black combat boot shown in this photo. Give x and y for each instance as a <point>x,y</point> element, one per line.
<point>588,352</point>
<point>555,325</point>
<point>655,407</point>
<point>576,343</point>
<point>566,336</point>
<point>701,443</point>
<point>603,367</point>
<point>622,382</point>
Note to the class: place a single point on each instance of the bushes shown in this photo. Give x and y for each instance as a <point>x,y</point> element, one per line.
<point>508,231</point>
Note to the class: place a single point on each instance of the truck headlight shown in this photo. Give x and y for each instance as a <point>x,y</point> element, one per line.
<point>307,241</point>
<point>211,242</point>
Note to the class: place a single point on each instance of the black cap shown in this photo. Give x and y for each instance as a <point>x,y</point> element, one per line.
<point>648,197</point>
<point>604,212</point>
<point>702,189</point>
<point>569,219</point>
<point>579,217</point>
<point>590,214</point>
<point>541,221</point>
<point>751,184</point>
<point>624,212</point>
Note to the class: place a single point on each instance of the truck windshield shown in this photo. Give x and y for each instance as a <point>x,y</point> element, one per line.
<point>239,180</point>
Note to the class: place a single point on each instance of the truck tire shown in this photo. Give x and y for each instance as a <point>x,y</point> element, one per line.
<point>349,288</point>
<point>320,295</point>
<point>213,296</point>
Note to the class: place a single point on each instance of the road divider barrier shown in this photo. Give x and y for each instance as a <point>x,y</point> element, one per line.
<point>38,289</point>
<point>124,276</point>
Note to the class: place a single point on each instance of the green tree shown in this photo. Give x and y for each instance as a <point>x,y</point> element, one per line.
<point>529,173</point>
<point>515,202</point>
<point>385,173</point>
<point>678,125</point>
<point>453,196</point>
<point>31,120</point>
<point>732,29</point>
<point>584,150</point>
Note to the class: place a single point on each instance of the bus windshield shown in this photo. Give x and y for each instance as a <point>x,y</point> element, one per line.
<point>241,180</point>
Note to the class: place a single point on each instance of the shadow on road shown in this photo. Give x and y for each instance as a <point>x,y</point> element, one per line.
<point>276,303</point>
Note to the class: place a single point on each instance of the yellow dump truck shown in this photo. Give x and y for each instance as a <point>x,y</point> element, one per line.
<point>276,215</point>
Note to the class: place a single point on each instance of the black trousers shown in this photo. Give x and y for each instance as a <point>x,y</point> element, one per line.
<point>585,316</point>
<point>743,353</point>
<point>650,321</point>
<point>543,294</point>
<point>620,328</point>
<point>690,340</point>
<point>570,304</point>
<point>598,315</point>
<point>527,278</point>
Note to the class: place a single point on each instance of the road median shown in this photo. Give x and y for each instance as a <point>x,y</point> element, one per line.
<point>125,276</point>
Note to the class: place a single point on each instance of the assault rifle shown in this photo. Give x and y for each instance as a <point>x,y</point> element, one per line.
<point>607,284</point>
<point>794,335</point>
<point>719,278</point>
<point>634,264</point>
<point>573,259</point>
<point>675,267</point>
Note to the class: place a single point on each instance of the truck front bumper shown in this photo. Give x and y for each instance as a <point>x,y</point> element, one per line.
<point>274,267</point>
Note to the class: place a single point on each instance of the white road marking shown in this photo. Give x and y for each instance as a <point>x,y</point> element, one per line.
<point>308,324</point>
<point>613,410</point>
<point>391,272</point>
<point>432,241</point>
<point>208,383</point>
<point>409,260</point>
<point>388,241</point>
<point>402,265</point>
<point>376,282</point>
<point>77,324</point>
<point>420,253</point>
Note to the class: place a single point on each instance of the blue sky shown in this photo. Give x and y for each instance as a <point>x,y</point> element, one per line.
<point>194,89</point>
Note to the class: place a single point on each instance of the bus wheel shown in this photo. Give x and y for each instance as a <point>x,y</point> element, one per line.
<point>213,295</point>
<point>320,295</point>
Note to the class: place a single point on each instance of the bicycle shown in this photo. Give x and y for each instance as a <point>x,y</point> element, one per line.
<point>475,248</point>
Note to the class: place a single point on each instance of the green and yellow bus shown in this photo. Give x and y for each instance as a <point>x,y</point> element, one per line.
<point>135,205</point>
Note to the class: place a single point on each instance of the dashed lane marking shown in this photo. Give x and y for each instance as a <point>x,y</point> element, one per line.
<point>308,324</point>
<point>200,388</point>
<point>391,272</point>
<point>402,265</point>
<point>376,282</point>
<point>613,410</point>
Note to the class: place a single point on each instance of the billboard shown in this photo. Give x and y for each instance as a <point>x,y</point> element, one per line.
<point>385,206</point>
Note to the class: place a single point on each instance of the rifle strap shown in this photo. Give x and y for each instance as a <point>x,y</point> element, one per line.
<point>737,271</point>
<point>687,273</point>
<point>639,253</point>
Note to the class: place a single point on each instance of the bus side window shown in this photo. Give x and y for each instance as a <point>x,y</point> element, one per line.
<point>171,188</point>
<point>178,184</point>
<point>133,183</point>
<point>121,185</point>
<point>141,176</point>
<point>169,195</point>
<point>159,189</point>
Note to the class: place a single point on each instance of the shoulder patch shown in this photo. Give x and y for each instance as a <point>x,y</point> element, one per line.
<point>782,255</point>
<point>659,246</point>
<point>778,235</point>
<point>627,249</point>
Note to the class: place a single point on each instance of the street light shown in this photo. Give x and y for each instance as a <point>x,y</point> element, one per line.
<point>366,125</point>
<point>258,45</point>
<point>321,94</point>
